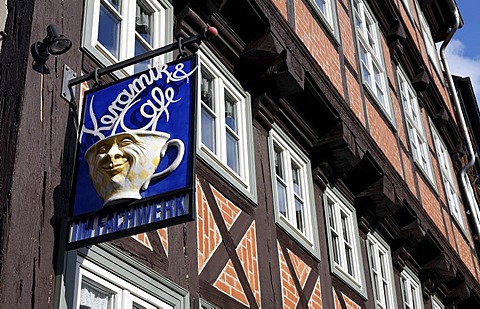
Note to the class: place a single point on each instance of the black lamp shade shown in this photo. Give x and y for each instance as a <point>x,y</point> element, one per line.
<point>59,45</point>
<point>53,44</point>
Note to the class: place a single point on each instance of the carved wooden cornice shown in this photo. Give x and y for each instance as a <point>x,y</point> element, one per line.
<point>400,256</point>
<point>264,110</point>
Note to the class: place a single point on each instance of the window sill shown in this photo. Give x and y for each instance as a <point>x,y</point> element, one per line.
<point>300,239</point>
<point>348,281</point>
<point>390,122</point>
<point>426,178</point>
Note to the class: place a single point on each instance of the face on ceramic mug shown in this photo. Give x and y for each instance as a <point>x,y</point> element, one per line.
<point>120,164</point>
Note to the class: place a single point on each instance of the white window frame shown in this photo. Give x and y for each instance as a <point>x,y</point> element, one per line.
<point>471,197</point>
<point>327,14</point>
<point>162,32</point>
<point>111,270</point>
<point>411,290</point>
<point>336,206</point>
<point>292,155</point>
<point>446,170</point>
<point>437,303</point>
<point>428,39</point>
<point>370,51</point>
<point>203,304</point>
<point>406,3</point>
<point>223,81</point>
<point>379,255</point>
<point>124,293</point>
<point>415,126</point>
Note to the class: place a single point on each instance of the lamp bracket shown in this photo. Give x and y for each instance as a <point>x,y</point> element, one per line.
<point>68,91</point>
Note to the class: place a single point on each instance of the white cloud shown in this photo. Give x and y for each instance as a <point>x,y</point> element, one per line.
<point>462,65</point>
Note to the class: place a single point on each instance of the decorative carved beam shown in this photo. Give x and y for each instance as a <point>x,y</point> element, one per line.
<point>421,81</point>
<point>441,268</point>
<point>413,231</point>
<point>400,256</point>
<point>286,76</point>
<point>338,147</point>
<point>264,110</point>
<point>460,292</point>
<point>363,175</point>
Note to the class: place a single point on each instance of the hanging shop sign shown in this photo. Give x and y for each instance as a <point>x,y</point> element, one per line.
<point>135,163</point>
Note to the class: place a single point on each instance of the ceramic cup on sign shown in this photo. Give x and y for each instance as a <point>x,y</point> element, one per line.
<point>122,165</point>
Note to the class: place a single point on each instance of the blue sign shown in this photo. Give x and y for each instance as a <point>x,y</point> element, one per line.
<point>136,154</point>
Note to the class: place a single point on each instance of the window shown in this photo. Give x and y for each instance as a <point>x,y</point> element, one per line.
<point>447,177</point>
<point>103,277</point>
<point>225,133</point>
<point>415,128</point>
<point>371,56</point>
<point>343,240</point>
<point>437,303</point>
<point>381,272</point>
<point>427,38</point>
<point>326,10</point>
<point>116,30</point>
<point>292,188</point>
<point>411,293</point>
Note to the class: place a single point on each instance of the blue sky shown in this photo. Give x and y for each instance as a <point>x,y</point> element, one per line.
<point>463,52</point>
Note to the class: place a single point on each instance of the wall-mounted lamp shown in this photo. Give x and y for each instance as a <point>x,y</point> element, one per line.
<point>53,44</point>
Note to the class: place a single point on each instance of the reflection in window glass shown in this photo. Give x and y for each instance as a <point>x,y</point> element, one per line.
<point>206,91</point>
<point>109,31</point>
<point>233,140</point>
<point>208,130</point>
<point>144,22</point>
<point>94,297</point>
<point>230,113</point>
<point>232,151</point>
<point>140,49</point>
<point>115,4</point>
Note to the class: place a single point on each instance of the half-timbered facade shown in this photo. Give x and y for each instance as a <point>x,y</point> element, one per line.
<point>335,158</point>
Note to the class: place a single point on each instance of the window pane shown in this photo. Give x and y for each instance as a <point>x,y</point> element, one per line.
<point>94,297</point>
<point>386,295</point>
<point>299,214</point>
<point>109,31</point>
<point>365,66</point>
<point>347,245</point>
<point>282,199</point>
<point>414,299</point>
<point>296,180</point>
<point>230,113</point>
<point>345,228</point>
<point>375,285</point>
<point>206,90</point>
<point>115,4</point>
<point>278,162</point>
<point>144,23</point>
<point>232,152</point>
<point>208,130</point>
<point>331,219</point>
<point>140,49</point>
<point>335,247</point>
<point>321,5</point>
